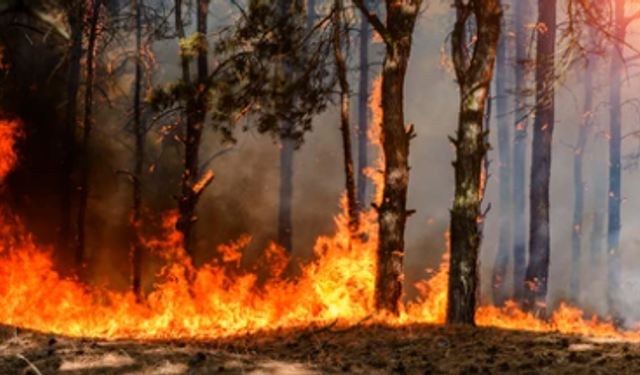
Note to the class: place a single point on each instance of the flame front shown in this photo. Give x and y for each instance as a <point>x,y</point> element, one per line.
<point>219,299</point>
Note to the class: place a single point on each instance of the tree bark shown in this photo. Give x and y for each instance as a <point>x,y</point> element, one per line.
<point>522,15</point>
<point>504,154</point>
<point>85,171</point>
<point>615,177</point>
<point>345,128</point>
<point>363,115</point>
<point>196,112</point>
<point>474,72</point>
<point>68,148</point>
<point>578,182</point>
<point>537,274</point>
<point>392,212</point>
<point>139,132</point>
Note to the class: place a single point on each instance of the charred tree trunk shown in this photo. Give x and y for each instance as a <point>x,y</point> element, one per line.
<point>578,183</point>
<point>363,114</point>
<point>76,19</point>
<point>474,71</point>
<point>615,177</point>
<point>192,187</point>
<point>394,137</point>
<point>504,150</point>
<point>85,171</point>
<point>139,132</point>
<point>537,274</point>
<point>345,128</point>
<point>522,12</point>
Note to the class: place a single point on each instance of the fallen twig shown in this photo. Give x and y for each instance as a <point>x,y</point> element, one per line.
<point>33,367</point>
<point>326,328</point>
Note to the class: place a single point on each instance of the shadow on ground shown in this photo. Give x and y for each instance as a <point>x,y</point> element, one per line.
<point>363,349</point>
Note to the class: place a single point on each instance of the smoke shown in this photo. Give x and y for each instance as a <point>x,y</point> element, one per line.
<point>243,198</point>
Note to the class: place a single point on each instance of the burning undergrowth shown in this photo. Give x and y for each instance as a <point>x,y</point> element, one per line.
<point>219,299</point>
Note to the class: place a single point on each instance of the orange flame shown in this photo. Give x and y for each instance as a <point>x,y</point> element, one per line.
<point>374,132</point>
<point>219,299</point>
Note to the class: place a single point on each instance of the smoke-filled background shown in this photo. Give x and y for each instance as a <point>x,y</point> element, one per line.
<point>243,199</point>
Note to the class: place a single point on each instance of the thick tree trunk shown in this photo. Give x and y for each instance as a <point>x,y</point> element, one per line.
<point>196,111</point>
<point>537,275</point>
<point>363,115</point>
<point>615,177</point>
<point>139,131</point>
<point>474,72</point>
<point>392,211</point>
<point>522,15</point>
<point>85,170</point>
<point>578,183</point>
<point>345,128</point>
<point>68,152</point>
<point>394,138</point>
<point>504,154</point>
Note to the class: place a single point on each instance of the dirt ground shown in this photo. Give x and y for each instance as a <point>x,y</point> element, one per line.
<point>419,350</point>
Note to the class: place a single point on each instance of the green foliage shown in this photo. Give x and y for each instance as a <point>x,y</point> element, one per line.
<point>273,75</point>
<point>191,46</point>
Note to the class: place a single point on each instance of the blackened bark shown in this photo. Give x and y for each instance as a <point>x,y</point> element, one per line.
<point>474,76</point>
<point>615,178</point>
<point>85,170</point>
<point>579,184</point>
<point>363,115</point>
<point>139,132</point>
<point>522,12</point>
<point>345,128</point>
<point>392,213</point>
<point>76,19</point>
<point>196,111</point>
<point>537,274</point>
<point>504,154</point>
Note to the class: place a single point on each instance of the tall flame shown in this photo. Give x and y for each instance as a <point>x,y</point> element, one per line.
<point>219,299</point>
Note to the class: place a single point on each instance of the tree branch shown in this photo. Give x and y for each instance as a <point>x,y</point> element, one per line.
<point>378,26</point>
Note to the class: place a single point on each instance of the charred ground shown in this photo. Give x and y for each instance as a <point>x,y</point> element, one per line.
<point>363,349</point>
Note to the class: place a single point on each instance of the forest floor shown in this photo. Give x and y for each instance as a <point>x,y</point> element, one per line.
<point>364,349</point>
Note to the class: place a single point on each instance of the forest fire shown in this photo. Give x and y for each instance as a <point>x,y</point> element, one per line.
<point>217,300</point>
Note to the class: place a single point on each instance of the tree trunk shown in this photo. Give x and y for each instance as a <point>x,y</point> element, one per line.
<point>504,151</point>
<point>474,78</point>
<point>196,112</point>
<point>392,213</point>
<point>537,274</point>
<point>615,178</point>
<point>69,146</point>
<point>85,171</point>
<point>363,115</point>
<point>578,182</point>
<point>139,131</point>
<point>345,128</point>
<point>522,12</point>
<point>599,168</point>
<point>287,149</point>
